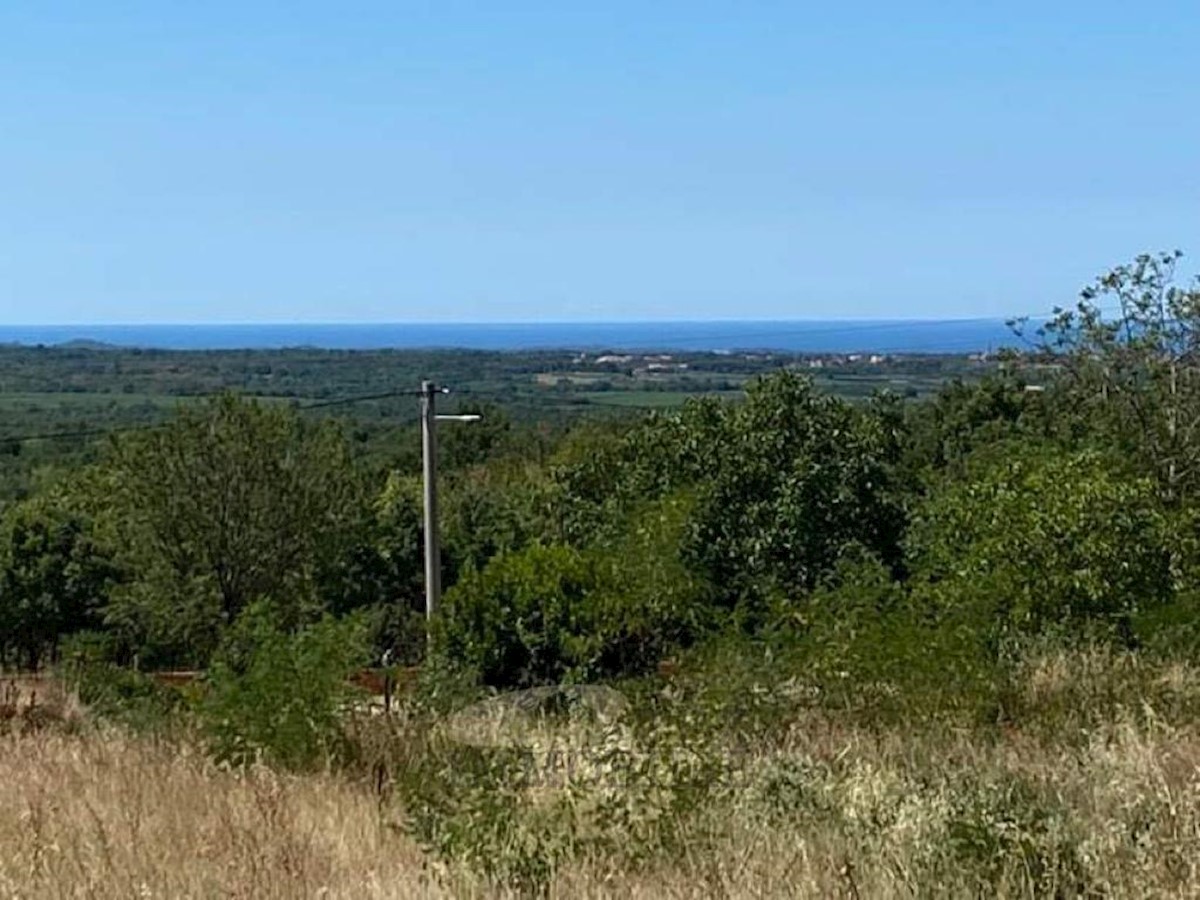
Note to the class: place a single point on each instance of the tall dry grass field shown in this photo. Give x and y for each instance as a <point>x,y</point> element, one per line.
<point>827,809</point>
<point>99,814</point>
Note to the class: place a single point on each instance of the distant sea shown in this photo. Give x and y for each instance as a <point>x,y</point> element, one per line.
<point>848,336</point>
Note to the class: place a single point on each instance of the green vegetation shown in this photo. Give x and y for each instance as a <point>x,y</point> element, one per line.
<point>278,693</point>
<point>82,392</point>
<point>1016,555</point>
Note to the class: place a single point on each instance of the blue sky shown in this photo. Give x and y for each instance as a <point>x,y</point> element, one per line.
<point>445,161</point>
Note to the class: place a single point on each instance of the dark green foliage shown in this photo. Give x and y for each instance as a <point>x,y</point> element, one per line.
<point>460,447</point>
<point>281,694</point>
<point>797,481</point>
<point>232,502</point>
<point>963,420</point>
<point>552,612</point>
<point>494,509</point>
<point>380,572</point>
<point>55,580</point>
<point>784,484</point>
<point>118,693</point>
<point>1048,542</point>
<point>860,648</point>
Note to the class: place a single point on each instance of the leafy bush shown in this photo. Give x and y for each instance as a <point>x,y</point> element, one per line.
<point>470,805</point>
<point>551,613</point>
<point>516,621</point>
<point>117,693</point>
<point>799,480</point>
<point>279,694</point>
<point>514,814</point>
<point>231,501</point>
<point>783,486</point>
<point>857,648</point>
<point>54,580</point>
<point>1048,543</point>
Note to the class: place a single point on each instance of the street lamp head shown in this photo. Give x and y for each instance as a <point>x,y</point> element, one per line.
<point>462,418</point>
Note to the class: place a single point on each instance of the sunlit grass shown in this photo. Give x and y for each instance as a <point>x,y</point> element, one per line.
<point>1097,795</point>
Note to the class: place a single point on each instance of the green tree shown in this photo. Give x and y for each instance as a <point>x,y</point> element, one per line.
<point>54,580</point>
<point>282,693</point>
<point>784,484</point>
<point>1045,542</point>
<point>382,572</point>
<point>547,613</point>
<point>797,480</point>
<point>230,502</point>
<point>1130,348</point>
<point>942,435</point>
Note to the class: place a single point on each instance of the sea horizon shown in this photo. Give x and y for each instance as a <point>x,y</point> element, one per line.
<point>784,335</point>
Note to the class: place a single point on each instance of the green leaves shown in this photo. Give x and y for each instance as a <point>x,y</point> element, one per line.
<point>783,484</point>
<point>54,581</point>
<point>281,694</point>
<point>1045,542</point>
<point>799,479</point>
<point>550,613</point>
<point>230,502</point>
<point>1131,349</point>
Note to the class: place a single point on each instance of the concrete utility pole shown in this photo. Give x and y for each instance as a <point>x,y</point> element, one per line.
<point>433,562</point>
<point>433,555</point>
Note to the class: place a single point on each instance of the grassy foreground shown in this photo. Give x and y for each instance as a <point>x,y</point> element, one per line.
<point>101,814</point>
<point>822,808</point>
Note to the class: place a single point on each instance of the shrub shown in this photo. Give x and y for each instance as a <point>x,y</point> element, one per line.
<point>797,481</point>
<point>54,580</point>
<point>1049,543</point>
<point>858,648</point>
<point>783,485</point>
<point>279,694</point>
<point>470,805</point>
<point>114,692</point>
<point>230,501</point>
<point>546,614</point>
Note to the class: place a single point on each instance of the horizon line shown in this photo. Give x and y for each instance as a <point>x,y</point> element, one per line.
<point>510,322</point>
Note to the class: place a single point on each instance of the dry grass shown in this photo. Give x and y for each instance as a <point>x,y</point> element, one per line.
<point>828,810</point>
<point>102,815</point>
<point>887,816</point>
<point>30,702</point>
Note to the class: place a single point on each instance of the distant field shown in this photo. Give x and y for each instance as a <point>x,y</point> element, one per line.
<point>859,385</point>
<point>652,399</point>
<point>34,413</point>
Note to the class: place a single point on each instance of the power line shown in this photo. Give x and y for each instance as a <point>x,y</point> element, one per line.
<point>344,401</point>
<point>103,432</point>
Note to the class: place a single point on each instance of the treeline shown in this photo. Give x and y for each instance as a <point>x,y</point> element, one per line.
<point>75,391</point>
<point>1054,501</point>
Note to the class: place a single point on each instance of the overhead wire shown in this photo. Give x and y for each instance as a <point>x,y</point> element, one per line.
<point>104,432</point>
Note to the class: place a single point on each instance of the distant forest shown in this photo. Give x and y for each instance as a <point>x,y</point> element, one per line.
<point>82,390</point>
